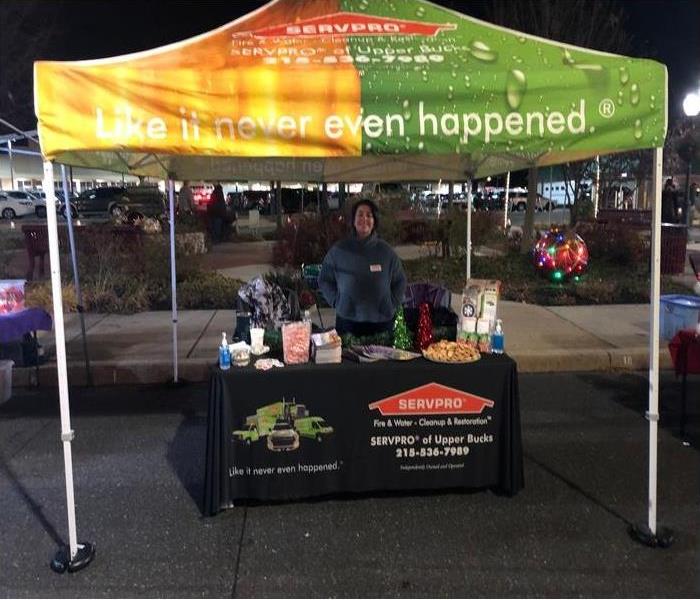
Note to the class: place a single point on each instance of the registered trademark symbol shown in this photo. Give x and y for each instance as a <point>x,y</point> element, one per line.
<point>606,108</point>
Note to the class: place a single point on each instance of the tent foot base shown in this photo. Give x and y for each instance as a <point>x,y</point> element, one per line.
<point>62,561</point>
<point>663,537</point>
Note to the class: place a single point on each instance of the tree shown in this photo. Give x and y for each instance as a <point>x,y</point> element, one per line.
<point>682,146</point>
<point>595,24</point>
<point>25,35</point>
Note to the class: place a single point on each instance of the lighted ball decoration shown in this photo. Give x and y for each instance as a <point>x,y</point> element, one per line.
<point>561,255</point>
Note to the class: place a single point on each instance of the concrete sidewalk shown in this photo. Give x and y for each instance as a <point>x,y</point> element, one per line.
<point>127,349</point>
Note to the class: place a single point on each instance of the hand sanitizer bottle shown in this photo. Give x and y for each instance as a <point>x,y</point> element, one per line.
<point>498,338</point>
<point>224,354</point>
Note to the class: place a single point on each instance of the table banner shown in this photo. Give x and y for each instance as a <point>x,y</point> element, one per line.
<point>311,430</point>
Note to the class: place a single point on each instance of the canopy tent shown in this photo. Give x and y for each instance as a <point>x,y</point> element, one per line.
<point>353,90</point>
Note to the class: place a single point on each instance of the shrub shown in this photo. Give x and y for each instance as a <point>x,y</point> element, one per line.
<point>486,228</point>
<point>621,244</point>
<point>38,295</point>
<point>207,291</point>
<point>390,223</point>
<point>307,239</point>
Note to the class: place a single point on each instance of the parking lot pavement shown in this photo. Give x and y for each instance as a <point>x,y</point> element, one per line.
<point>139,464</point>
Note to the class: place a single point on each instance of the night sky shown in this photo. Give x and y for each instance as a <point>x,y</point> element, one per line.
<point>84,29</point>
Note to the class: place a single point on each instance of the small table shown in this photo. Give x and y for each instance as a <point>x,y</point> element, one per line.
<point>685,354</point>
<point>13,326</point>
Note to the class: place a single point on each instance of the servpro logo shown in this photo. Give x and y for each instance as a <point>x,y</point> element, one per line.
<point>346,23</point>
<point>432,399</point>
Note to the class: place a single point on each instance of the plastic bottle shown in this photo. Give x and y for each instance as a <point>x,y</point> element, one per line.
<point>224,353</point>
<point>498,338</point>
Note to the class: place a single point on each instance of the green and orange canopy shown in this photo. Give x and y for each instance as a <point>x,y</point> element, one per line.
<point>348,90</point>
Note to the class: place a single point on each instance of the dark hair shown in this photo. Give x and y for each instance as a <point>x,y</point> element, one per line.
<point>372,206</point>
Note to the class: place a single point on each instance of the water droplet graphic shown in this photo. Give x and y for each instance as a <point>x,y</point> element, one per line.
<point>368,146</point>
<point>567,59</point>
<point>624,75</point>
<point>588,67</point>
<point>638,131</point>
<point>521,39</point>
<point>405,103</point>
<point>424,75</point>
<point>420,12</point>
<point>634,94</point>
<point>467,81</point>
<point>453,74</point>
<point>482,52</point>
<point>421,146</point>
<point>516,85</point>
<point>591,129</point>
<point>620,97</point>
<point>517,59</point>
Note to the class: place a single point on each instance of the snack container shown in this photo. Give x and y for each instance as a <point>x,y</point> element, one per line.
<point>296,338</point>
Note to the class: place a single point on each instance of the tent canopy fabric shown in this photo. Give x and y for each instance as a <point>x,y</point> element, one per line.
<point>348,90</point>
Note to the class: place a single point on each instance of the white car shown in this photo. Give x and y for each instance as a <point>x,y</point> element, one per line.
<point>39,201</point>
<point>12,206</point>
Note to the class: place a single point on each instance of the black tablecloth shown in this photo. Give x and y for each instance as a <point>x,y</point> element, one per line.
<point>310,430</point>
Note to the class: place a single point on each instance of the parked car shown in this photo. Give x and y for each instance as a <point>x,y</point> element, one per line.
<point>257,199</point>
<point>489,200</point>
<point>140,200</point>
<point>389,191</point>
<point>518,201</point>
<point>38,204</point>
<point>15,204</point>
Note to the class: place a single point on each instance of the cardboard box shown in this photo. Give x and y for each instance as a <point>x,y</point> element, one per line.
<point>480,301</point>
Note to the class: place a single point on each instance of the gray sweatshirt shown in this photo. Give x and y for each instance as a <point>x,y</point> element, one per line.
<point>363,279</point>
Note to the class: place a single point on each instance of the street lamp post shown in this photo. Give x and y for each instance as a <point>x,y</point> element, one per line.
<point>691,108</point>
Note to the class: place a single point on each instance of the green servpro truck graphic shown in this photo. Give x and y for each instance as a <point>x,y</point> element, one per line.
<point>283,424</point>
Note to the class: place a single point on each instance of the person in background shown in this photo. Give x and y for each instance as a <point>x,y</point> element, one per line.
<point>669,197</point>
<point>362,277</point>
<point>184,200</point>
<point>216,211</point>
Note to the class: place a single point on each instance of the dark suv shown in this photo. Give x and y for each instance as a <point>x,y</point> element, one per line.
<point>141,200</point>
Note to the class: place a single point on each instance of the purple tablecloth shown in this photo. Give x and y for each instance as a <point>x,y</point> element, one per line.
<point>15,325</point>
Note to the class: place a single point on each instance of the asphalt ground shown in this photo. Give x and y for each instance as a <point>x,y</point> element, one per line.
<point>139,467</point>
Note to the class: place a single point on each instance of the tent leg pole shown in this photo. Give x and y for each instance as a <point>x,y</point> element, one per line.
<point>469,229</point>
<point>76,276</point>
<point>651,534</point>
<point>75,556</point>
<point>505,204</point>
<point>171,194</point>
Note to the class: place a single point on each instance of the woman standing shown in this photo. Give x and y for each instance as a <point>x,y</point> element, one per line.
<point>362,277</point>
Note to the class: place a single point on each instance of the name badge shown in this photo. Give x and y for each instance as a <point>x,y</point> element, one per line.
<point>375,268</point>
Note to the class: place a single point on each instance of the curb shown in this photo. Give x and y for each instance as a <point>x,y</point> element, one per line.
<point>134,371</point>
